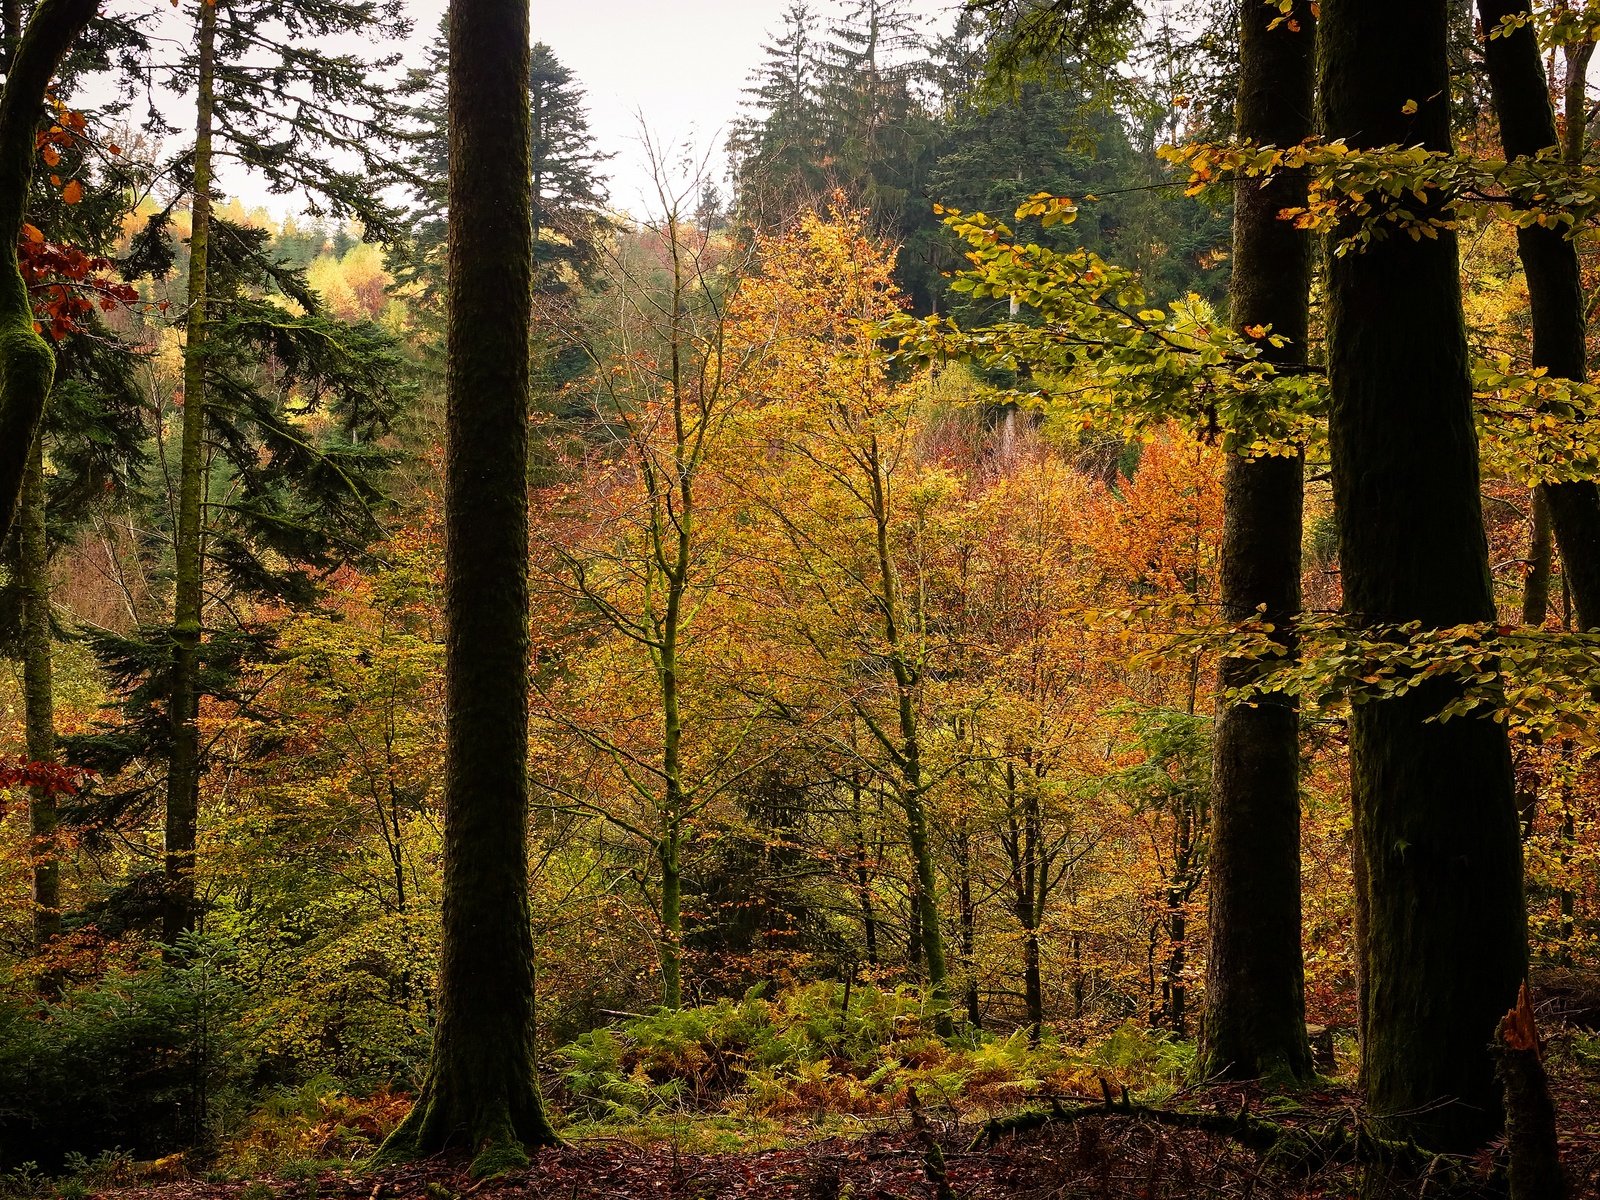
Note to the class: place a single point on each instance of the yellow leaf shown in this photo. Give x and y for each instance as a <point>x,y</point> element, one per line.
<point>1410,106</point>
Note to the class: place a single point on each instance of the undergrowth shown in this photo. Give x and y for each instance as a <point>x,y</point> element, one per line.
<point>762,1067</point>
<point>750,1074</point>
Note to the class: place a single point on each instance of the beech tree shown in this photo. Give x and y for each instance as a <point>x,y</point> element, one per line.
<point>832,406</point>
<point>666,383</point>
<point>1255,993</point>
<point>1439,862</point>
<point>481,1091</point>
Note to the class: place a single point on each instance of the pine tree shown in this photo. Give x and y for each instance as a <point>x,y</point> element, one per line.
<point>481,1091</point>
<point>294,141</point>
<point>568,193</point>
<point>775,147</point>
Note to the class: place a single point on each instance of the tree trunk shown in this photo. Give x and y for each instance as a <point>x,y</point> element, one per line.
<point>1254,1020</point>
<point>1022,841</point>
<point>27,364</point>
<point>911,790</point>
<point>183,767</point>
<point>481,1092</point>
<point>1541,545</point>
<point>1446,930</point>
<point>869,917</point>
<point>668,853</point>
<point>968,914</point>
<point>1521,95</point>
<point>33,560</point>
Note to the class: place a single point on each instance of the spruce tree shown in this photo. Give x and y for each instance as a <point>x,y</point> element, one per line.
<point>775,147</point>
<point>1439,860</point>
<point>481,1092</point>
<point>567,196</point>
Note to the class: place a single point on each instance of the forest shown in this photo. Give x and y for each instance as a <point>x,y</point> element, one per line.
<point>1026,625</point>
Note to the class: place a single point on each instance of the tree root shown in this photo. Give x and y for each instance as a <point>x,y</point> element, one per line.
<point>1286,1147</point>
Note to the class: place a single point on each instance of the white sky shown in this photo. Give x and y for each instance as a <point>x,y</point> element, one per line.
<point>680,66</point>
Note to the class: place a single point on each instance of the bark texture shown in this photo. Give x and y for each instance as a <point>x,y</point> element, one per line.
<point>481,1091</point>
<point>1254,1021</point>
<point>1446,944</point>
<point>38,688</point>
<point>183,708</point>
<point>1521,94</point>
<point>27,364</point>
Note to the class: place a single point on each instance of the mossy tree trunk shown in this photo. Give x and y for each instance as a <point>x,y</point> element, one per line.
<point>38,687</point>
<point>1254,1020</point>
<point>1446,939</point>
<point>669,852</point>
<point>27,364</point>
<point>481,1092</point>
<point>906,749</point>
<point>1521,93</point>
<point>183,708</point>
<point>23,395</point>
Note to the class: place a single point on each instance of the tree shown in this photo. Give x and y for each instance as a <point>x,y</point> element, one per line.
<point>1254,1021</point>
<point>27,365</point>
<point>667,385</point>
<point>91,427</point>
<point>1439,876</point>
<point>835,412</point>
<point>568,194</point>
<point>775,145</point>
<point>33,562</point>
<point>239,110</point>
<point>1521,95</point>
<point>481,1090</point>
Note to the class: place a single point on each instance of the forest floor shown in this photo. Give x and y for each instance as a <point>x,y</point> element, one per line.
<point>1100,1157</point>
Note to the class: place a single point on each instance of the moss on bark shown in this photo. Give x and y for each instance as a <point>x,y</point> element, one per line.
<point>27,364</point>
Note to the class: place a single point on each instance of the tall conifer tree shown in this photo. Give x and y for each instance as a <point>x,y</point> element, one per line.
<point>481,1091</point>
<point>244,51</point>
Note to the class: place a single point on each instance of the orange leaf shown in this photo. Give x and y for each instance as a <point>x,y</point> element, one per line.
<point>51,156</point>
<point>33,234</point>
<point>73,192</point>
